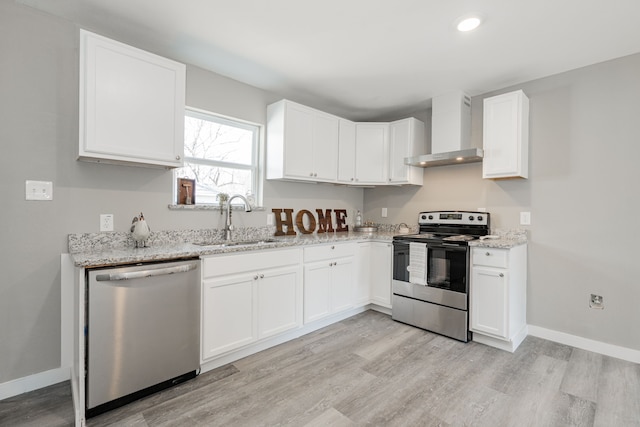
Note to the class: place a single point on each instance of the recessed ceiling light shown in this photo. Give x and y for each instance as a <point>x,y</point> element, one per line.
<point>468,23</point>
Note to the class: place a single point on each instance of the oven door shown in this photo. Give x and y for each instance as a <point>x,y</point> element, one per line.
<point>448,267</point>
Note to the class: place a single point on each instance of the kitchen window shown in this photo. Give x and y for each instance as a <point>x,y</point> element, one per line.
<point>221,154</point>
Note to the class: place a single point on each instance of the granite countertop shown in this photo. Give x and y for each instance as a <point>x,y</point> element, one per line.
<point>97,250</point>
<point>505,239</point>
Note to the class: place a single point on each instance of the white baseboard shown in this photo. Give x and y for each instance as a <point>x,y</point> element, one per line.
<point>33,382</point>
<point>616,351</point>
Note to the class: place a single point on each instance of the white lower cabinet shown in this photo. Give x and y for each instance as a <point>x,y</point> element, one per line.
<point>498,296</point>
<point>380,270</point>
<point>228,314</point>
<point>329,273</point>
<point>249,297</point>
<point>363,278</point>
<point>373,284</point>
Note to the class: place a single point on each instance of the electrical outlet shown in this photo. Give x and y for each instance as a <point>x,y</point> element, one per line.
<point>525,218</point>
<point>596,301</point>
<point>106,222</point>
<point>269,219</point>
<point>384,212</point>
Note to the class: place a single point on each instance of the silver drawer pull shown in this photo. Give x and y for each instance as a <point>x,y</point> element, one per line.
<point>501,274</point>
<point>488,254</point>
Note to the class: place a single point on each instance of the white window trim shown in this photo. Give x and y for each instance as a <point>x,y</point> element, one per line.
<point>257,160</point>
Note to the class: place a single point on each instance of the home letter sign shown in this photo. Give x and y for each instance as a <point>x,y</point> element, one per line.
<point>307,223</point>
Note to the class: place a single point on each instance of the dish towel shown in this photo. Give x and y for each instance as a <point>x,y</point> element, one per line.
<point>418,263</point>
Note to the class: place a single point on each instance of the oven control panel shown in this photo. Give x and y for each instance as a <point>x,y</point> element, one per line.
<point>453,218</point>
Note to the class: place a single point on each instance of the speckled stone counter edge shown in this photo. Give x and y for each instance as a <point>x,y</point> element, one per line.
<point>108,249</point>
<point>506,239</point>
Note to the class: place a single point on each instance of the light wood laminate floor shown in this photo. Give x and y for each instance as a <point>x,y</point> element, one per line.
<point>370,370</point>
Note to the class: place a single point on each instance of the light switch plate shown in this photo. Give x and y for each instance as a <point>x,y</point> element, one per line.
<point>39,190</point>
<point>525,218</point>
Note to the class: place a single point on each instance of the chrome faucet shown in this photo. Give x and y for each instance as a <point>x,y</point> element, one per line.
<point>227,224</point>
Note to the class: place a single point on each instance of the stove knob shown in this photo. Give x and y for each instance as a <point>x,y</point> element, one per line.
<point>471,218</point>
<point>479,218</point>
<point>430,216</point>
<point>424,217</point>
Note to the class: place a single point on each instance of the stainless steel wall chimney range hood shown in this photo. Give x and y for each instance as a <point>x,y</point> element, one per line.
<point>450,133</point>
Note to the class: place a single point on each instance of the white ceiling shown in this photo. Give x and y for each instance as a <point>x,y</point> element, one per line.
<point>367,59</point>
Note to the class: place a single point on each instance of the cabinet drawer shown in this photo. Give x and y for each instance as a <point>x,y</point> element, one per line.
<point>336,250</point>
<point>219,265</point>
<point>490,257</point>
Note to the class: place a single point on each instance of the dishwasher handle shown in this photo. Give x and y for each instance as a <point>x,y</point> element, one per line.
<point>143,274</point>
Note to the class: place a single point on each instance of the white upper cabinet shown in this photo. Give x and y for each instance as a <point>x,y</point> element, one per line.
<point>372,153</point>
<point>506,136</point>
<point>302,143</point>
<point>347,152</point>
<point>406,139</point>
<point>131,105</point>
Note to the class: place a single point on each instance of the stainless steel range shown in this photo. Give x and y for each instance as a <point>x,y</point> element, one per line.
<point>431,272</point>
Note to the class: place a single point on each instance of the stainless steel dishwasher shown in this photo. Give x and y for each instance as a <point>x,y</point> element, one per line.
<point>143,331</point>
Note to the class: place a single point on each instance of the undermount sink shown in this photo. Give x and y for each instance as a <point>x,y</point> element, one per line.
<point>223,244</point>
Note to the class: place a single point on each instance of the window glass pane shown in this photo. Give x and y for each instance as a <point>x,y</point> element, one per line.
<point>217,141</point>
<point>212,180</point>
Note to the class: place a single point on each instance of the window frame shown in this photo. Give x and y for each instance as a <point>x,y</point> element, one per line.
<point>256,160</point>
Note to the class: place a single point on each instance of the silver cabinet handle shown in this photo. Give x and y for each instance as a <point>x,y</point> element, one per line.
<point>178,157</point>
<point>142,274</point>
<point>501,275</point>
<point>255,277</point>
<point>488,254</point>
<point>262,276</point>
<point>333,247</point>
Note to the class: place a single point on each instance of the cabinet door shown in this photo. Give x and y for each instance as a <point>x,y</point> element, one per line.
<point>228,314</point>
<point>406,139</point>
<point>342,284</point>
<point>363,277</point>
<point>381,260</point>
<point>298,141</point>
<point>489,298</point>
<point>317,292</point>
<point>505,136</point>
<point>372,153</point>
<point>347,152</point>
<point>399,137</point>
<point>131,104</point>
<point>279,308</point>
<point>325,147</point>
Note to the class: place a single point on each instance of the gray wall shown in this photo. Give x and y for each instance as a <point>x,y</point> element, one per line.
<point>582,193</point>
<point>39,136</point>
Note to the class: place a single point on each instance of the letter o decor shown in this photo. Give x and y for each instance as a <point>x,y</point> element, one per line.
<point>300,221</point>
